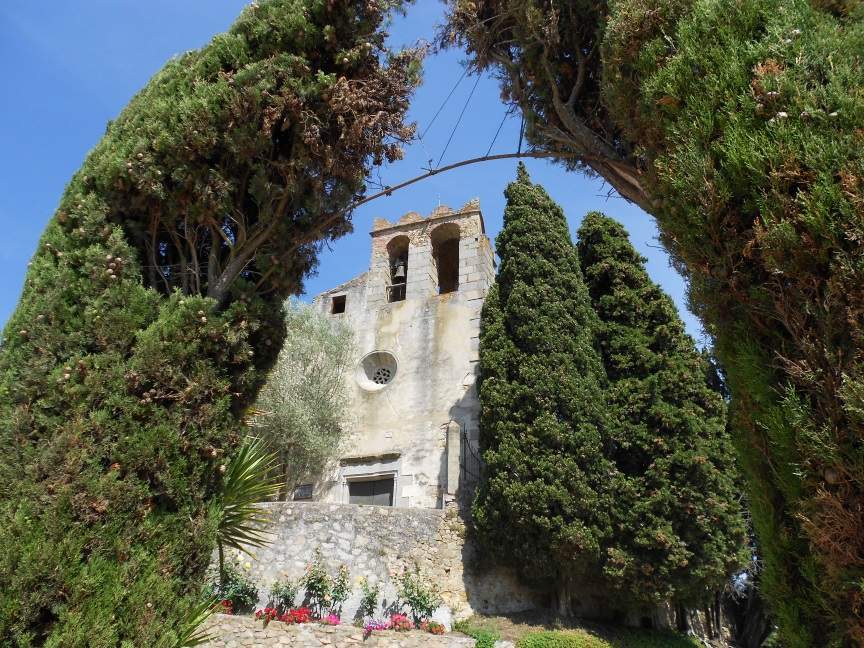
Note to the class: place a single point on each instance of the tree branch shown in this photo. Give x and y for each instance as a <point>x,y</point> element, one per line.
<point>218,290</point>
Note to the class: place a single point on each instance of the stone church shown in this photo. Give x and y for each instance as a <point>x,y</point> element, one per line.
<point>386,506</point>
<point>415,317</point>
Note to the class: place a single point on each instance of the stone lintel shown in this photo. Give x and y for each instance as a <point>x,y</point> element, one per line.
<point>369,458</point>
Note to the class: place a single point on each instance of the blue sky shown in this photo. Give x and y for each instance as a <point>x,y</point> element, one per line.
<point>71,65</point>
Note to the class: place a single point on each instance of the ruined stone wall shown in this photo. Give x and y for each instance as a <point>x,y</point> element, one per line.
<point>379,543</point>
<point>245,632</point>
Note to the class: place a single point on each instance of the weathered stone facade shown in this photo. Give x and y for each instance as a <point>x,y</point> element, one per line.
<point>414,403</point>
<point>379,543</point>
<point>245,632</point>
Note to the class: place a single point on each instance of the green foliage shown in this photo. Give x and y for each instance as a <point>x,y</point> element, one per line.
<point>619,639</point>
<point>302,409</point>
<point>484,638</point>
<point>190,633</point>
<point>420,598</point>
<point>316,583</point>
<point>544,504</point>
<point>230,584</point>
<point>568,639</point>
<point>282,595</point>
<point>680,532</point>
<point>737,125</point>
<point>247,482</point>
<point>340,590</point>
<point>325,594</point>
<point>370,595</point>
<point>151,312</point>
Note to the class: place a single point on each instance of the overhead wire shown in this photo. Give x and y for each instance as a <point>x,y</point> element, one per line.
<point>443,103</point>
<point>458,121</point>
<point>492,143</point>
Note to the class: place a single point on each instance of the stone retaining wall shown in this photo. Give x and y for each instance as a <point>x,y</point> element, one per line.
<point>246,632</point>
<point>378,543</point>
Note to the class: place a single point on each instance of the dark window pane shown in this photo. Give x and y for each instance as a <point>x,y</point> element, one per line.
<point>378,492</point>
<point>383,495</point>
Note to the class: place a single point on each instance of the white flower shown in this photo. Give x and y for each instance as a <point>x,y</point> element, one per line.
<point>782,115</point>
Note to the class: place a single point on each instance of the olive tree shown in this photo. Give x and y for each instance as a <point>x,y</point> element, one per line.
<point>302,410</point>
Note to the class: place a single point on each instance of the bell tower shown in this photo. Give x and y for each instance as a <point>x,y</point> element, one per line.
<point>417,258</point>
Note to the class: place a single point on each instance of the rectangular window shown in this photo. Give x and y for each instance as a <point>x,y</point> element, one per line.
<point>337,305</point>
<point>303,492</point>
<point>375,492</point>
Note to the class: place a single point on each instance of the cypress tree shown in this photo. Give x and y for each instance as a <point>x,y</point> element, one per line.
<point>543,506</point>
<point>680,531</point>
<point>738,126</point>
<point>152,312</point>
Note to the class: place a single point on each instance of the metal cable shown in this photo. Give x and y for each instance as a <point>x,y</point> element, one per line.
<point>506,115</point>
<point>458,121</point>
<point>443,103</point>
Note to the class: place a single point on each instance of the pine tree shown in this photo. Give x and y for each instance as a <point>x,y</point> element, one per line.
<point>152,312</point>
<point>543,505</point>
<point>738,126</point>
<point>680,531</point>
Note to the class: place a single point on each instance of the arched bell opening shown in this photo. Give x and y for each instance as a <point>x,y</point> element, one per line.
<point>397,250</point>
<point>445,254</point>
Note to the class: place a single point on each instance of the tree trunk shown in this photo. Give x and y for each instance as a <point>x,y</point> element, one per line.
<point>681,622</point>
<point>564,600</point>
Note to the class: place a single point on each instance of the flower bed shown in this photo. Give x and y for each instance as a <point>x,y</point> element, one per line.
<point>401,623</point>
<point>242,631</point>
<point>295,615</point>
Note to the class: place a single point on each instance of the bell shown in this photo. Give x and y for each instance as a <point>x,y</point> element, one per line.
<point>399,273</point>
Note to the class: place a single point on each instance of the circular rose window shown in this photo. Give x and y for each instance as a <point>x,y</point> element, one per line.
<point>376,370</point>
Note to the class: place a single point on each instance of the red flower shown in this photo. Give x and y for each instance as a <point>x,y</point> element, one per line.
<point>297,615</point>
<point>268,614</point>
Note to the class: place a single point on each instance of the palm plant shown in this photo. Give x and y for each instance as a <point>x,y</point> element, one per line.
<point>189,634</point>
<point>247,482</point>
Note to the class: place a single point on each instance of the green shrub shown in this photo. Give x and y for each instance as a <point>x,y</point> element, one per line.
<point>622,638</point>
<point>282,595</point>
<point>324,593</point>
<point>484,638</point>
<point>370,594</point>
<point>233,586</point>
<point>340,590</point>
<point>420,599</point>
<point>562,639</point>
